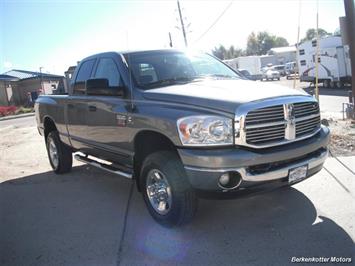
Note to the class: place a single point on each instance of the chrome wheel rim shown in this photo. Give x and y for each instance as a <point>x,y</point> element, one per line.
<point>159,191</point>
<point>53,153</point>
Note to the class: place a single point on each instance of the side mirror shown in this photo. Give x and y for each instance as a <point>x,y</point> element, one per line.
<point>101,86</point>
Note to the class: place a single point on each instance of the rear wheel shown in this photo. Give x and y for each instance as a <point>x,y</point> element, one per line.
<point>326,83</point>
<point>60,155</point>
<point>166,191</point>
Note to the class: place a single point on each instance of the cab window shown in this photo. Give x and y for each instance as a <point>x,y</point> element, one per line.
<point>83,75</point>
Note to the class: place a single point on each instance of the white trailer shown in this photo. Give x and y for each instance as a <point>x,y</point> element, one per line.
<point>334,62</point>
<point>250,63</point>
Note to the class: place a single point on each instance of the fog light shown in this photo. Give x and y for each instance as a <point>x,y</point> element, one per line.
<point>224,179</point>
<point>229,180</point>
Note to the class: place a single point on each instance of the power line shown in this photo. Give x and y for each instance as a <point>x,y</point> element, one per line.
<point>214,23</point>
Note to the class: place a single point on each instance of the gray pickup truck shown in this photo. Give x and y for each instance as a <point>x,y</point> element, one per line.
<point>182,125</point>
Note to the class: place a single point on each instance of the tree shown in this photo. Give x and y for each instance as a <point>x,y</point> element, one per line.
<point>280,42</point>
<point>262,42</point>
<point>312,33</point>
<point>222,53</point>
<point>337,32</point>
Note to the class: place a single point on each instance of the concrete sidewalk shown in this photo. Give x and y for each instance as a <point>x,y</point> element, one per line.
<point>79,219</point>
<point>8,117</point>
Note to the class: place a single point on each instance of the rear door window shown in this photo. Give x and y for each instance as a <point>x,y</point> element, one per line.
<point>83,75</point>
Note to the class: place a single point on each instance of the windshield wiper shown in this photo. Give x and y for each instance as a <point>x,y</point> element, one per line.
<point>218,76</point>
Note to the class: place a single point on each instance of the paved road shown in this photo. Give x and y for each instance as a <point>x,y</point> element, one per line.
<point>79,218</point>
<point>331,100</point>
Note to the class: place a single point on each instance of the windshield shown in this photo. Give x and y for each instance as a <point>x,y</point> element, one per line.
<point>157,68</point>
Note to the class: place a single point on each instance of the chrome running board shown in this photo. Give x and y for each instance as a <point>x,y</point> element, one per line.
<point>103,166</point>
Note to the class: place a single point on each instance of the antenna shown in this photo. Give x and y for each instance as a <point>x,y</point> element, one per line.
<point>170,41</point>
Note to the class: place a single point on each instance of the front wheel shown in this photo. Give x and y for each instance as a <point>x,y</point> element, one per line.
<point>60,155</point>
<point>168,195</point>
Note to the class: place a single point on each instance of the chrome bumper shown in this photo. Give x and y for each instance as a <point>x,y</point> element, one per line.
<point>283,172</point>
<point>267,176</point>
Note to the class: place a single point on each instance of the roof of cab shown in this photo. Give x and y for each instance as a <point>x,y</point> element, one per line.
<point>131,52</point>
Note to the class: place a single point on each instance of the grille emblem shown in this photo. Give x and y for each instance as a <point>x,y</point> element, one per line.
<point>290,130</point>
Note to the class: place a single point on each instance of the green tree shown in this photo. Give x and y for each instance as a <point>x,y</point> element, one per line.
<point>222,53</point>
<point>280,42</point>
<point>312,33</point>
<point>337,32</point>
<point>262,42</point>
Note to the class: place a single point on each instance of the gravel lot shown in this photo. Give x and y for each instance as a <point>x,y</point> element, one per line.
<point>85,217</point>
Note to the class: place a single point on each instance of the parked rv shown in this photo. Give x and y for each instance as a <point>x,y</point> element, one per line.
<point>334,63</point>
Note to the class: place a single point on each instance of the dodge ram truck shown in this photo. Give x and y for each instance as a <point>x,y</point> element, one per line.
<point>182,125</point>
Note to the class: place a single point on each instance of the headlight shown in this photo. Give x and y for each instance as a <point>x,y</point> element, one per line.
<point>205,130</point>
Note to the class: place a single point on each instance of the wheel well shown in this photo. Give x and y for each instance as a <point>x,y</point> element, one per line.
<point>49,126</point>
<point>145,143</point>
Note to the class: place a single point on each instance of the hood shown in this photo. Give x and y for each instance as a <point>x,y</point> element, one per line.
<point>223,95</point>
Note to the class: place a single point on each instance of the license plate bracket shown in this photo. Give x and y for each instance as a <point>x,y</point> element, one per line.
<point>298,173</point>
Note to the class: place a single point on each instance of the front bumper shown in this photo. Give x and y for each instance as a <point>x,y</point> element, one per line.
<point>256,167</point>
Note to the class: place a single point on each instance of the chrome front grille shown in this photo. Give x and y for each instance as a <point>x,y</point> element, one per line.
<point>307,118</point>
<point>278,124</point>
<point>265,115</point>
<point>306,109</point>
<point>265,125</point>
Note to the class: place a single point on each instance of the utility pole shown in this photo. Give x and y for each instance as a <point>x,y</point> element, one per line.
<point>350,28</point>
<point>317,57</point>
<point>182,23</point>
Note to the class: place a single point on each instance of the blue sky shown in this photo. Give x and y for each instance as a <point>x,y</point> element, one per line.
<point>57,34</point>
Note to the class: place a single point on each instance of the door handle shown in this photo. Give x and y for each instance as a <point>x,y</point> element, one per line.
<point>92,108</point>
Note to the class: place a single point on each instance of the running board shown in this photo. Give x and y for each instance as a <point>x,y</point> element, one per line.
<point>102,166</point>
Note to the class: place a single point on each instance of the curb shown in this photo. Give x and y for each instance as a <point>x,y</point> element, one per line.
<point>16,116</point>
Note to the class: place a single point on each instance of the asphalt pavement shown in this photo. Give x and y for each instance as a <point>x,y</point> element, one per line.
<point>79,219</point>
<point>89,217</point>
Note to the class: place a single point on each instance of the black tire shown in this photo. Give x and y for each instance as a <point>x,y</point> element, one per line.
<point>278,79</point>
<point>64,154</point>
<point>326,83</point>
<point>183,198</point>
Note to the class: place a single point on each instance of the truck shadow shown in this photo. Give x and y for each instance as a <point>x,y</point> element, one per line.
<point>77,219</point>
<point>267,229</point>
<point>71,219</point>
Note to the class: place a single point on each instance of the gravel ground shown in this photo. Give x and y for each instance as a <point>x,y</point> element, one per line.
<point>342,141</point>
